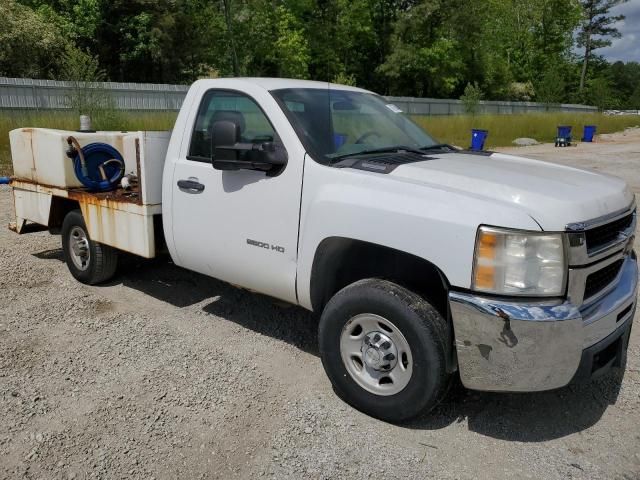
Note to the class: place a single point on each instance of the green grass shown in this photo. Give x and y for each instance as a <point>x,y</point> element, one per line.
<point>109,120</point>
<point>503,129</point>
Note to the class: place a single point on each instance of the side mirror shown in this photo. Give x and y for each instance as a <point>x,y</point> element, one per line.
<point>228,153</point>
<point>273,154</point>
<point>224,134</point>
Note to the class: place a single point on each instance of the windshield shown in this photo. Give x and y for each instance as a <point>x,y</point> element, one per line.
<point>336,123</point>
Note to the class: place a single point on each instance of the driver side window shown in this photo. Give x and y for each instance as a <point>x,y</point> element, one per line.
<point>236,107</point>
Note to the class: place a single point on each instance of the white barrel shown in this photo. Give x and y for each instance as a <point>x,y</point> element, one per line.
<point>85,123</point>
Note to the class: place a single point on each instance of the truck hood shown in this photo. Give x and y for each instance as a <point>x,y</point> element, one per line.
<point>553,195</point>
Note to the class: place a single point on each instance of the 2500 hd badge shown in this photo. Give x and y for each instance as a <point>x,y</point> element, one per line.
<point>256,243</point>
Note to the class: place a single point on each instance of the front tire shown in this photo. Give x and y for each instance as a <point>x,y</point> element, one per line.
<point>384,349</point>
<point>88,261</point>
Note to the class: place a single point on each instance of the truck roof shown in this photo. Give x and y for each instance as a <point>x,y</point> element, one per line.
<point>276,83</point>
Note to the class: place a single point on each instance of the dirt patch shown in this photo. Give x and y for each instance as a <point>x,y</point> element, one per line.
<point>614,153</point>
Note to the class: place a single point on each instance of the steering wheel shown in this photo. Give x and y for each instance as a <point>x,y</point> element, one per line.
<point>366,135</point>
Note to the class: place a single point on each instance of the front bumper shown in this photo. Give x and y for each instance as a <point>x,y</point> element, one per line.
<point>533,346</point>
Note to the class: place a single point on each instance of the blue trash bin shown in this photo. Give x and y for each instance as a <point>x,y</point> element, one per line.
<point>564,131</point>
<point>563,139</point>
<point>339,139</point>
<point>589,133</point>
<point>478,138</point>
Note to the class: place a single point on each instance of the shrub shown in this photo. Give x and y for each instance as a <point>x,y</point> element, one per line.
<point>471,98</point>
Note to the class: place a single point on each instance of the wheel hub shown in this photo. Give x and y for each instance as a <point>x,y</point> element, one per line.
<point>79,248</point>
<point>376,354</point>
<point>379,352</point>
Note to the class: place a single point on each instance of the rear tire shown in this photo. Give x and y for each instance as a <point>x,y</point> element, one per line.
<point>88,261</point>
<point>384,349</point>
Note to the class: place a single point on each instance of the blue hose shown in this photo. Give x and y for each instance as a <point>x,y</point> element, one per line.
<point>103,167</point>
<point>4,180</point>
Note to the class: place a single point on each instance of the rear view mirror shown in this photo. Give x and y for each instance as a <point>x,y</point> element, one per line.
<point>345,106</point>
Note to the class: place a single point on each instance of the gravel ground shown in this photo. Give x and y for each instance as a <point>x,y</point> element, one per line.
<point>168,374</point>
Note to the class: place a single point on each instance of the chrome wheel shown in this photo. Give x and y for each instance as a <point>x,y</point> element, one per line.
<point>79,248</point>
<point>376,354</point>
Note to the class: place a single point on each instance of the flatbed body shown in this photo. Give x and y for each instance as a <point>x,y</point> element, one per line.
<point>129,220</point>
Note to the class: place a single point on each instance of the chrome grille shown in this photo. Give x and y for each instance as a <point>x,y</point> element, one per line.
<point>595,240</point>
<point>596,251</point>
<point>605,234</point>
<point>600,279</point>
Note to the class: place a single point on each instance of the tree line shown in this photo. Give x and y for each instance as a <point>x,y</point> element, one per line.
<point>538,50</point>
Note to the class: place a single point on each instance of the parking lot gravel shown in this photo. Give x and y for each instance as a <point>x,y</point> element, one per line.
<point>164,373</point>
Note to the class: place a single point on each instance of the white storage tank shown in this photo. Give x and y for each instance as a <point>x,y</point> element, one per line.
<point>123,219</point>
<point>39,154</point>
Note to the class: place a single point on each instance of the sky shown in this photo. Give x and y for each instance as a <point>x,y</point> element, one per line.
<point>626,48</point>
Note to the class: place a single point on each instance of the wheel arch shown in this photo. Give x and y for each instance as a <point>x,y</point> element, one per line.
<point>60,207</point>
<point>340,261</point>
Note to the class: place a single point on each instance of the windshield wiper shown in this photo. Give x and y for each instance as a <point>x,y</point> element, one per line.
<point>389,149</point>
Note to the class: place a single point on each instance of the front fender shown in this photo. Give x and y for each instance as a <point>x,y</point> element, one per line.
<point>438,225</point>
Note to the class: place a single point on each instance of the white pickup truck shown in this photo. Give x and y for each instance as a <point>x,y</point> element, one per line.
<point>422,260</point>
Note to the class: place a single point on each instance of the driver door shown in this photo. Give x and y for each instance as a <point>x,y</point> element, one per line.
<point>238,226</point>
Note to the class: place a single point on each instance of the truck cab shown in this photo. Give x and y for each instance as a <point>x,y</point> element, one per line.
<point>420,259</point>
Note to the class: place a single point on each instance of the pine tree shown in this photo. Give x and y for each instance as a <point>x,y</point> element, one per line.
<point>597,22</point>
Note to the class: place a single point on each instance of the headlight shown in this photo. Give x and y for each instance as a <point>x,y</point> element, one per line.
<point>510,262</point>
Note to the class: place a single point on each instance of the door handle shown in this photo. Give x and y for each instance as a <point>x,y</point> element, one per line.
<point>190,186</point>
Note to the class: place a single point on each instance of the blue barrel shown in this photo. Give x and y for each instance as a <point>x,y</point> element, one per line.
<point>589,133</point>
<point>339,139</point>
<point>478,138</point>
<point>564,136</point>
<point>4,180</point>
<point>564,131</point>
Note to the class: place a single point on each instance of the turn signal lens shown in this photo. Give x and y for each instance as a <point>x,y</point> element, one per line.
<point>486,254</point>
